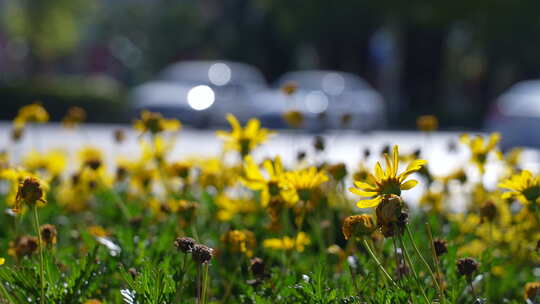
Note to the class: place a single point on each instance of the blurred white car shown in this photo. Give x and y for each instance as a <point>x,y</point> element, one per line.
<point>324,98</point>
<point>516,115</point>
<point>201,93</point>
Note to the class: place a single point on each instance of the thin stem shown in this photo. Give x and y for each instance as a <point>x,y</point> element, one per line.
<point>205,282</point>
<point>184,266</point>
<point>415,275</point>
<point>422,257</point>
<point>397,258</point>
<point>381,267</point>
<point>41,266</point>
<point>199,284</point>
<point>436,262</point>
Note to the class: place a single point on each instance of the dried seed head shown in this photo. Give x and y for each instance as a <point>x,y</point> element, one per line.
<point>30,192</point>
<point>337,171</point>
<point>185,244</point>
<point>531,289</point>
<point>467,266</point>
<point>289,88</point>
<point>257,267</point>
<point>300,156</point>
<point>319,144</point>
<point>361,225</point>
<point>201,253</point>
<point>427,123</point>
<point>48,234</point>
<point>346,119</point>
<point>441,247</point>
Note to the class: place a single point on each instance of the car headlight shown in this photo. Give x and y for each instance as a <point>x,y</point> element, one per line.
<point>201,97</point>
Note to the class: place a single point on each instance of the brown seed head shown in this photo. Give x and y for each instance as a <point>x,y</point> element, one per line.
<point>202,254</point>
<point>185,244</point>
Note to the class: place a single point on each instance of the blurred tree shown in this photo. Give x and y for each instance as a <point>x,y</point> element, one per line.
<point>51,29</point>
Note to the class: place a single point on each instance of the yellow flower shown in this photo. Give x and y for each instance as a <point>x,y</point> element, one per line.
<point>53,162</point>
<point>228,207</point>
<point>386,182</point>
<point>2,261</point>
<point>255,180</point>
<point>480,150</point>
<point>286,243</point>
<point>154,123</point>
<point>97,231</point>
<point>242,241</point>
<point>524,187</point>
<point>91,157</point>
<point>244,140</point>
<point>31,113</point>
<point>299,184</point>
<point>293,118</point>
<point>427,123</point>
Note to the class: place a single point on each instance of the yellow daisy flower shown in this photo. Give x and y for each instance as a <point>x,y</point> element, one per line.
<point>386,182</point>
<point>255,180</point>
<point>155,123</point>
<point>524,187</point>
<point>244,140</point>
<point>286,243</point>
<point>31,113</point>
<point>299,184</point>
<point>481,149</point>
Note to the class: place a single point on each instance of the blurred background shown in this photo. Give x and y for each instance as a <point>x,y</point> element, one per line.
<point>383,62</point>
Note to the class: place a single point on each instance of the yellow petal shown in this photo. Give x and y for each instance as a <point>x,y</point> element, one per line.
<point>369,203</point>
<point>409,184</point>
<point>362,193</point>
<point>364,186</point>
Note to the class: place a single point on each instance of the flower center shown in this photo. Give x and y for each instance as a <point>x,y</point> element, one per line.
<point>532,193</point>
<point>391,187</point>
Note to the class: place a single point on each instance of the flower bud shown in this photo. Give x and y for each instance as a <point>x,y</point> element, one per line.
<point>441,247</point>
<point>48,234</point>
<point>531,290</point>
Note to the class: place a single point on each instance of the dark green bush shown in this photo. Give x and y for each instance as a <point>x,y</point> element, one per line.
<point>103,98</point>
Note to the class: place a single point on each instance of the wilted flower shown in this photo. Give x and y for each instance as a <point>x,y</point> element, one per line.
<point>48,234</point>
<point>361,225</point>
<point>30,192</point>
<point>23,245</point>
<point>532,290</point>
<point>467,266</point>
<point>441,247</point>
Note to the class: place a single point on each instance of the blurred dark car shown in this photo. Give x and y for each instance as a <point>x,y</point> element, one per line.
<point>516,115</point>
<point>201,93</point>
<point>324,98</point>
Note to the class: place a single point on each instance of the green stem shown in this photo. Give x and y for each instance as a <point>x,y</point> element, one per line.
<point>41,266</point>
<point>415,275</point>
<point>381,267</point>
<point>422,257</point>
<point>184,269</point>
<point>205,282</point>
<point>436,262</point>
